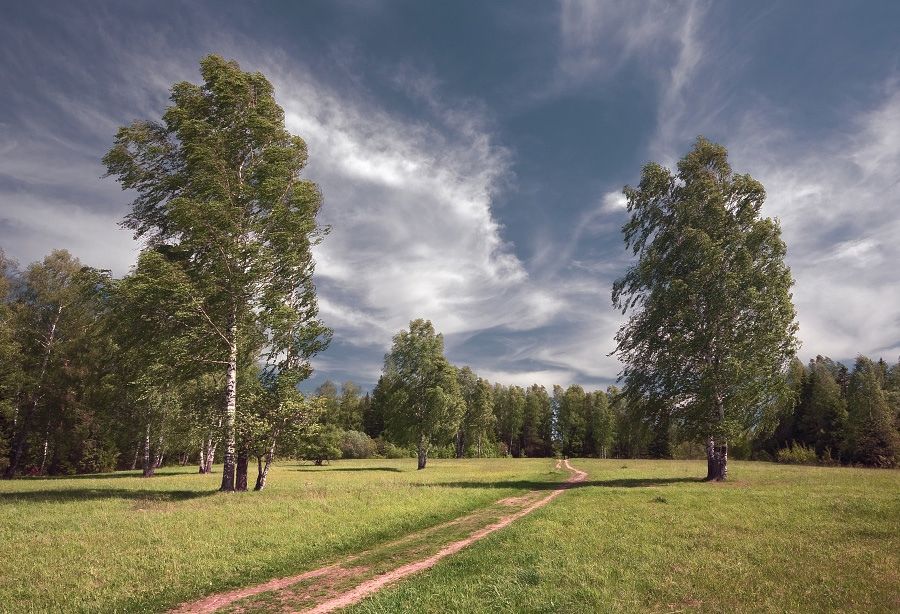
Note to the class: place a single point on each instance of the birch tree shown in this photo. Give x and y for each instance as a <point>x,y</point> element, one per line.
<point>219,194</point>
<point>711,326</point>
<point>425,405</point>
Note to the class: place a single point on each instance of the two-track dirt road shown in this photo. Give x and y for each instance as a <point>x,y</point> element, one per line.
<point>356,577</point>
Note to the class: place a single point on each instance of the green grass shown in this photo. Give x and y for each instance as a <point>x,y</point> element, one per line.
<point>638,536</point>
<point>646,536</point>
<point>122,543</point>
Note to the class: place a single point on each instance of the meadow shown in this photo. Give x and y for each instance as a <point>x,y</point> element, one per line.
<point>636,536</point>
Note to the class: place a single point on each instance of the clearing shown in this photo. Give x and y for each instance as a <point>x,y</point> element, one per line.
<point>635,535</point>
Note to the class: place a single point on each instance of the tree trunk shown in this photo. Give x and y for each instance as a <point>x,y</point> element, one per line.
<point>716,460</point>
<point>208,452</point>
<point>160,452</point>
<point>230,405</point>
<point>243,460</point>
<point>46,449</point>
<point>137,455</point>
<point>203,457</point>
<point>422,453</point>
<point>147,465</point>
<point>460,444</point>
<point>263,470</point>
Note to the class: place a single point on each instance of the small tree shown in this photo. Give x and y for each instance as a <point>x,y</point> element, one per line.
<point>320,444</point>
<point>712,324</point>
<point>425,404</point>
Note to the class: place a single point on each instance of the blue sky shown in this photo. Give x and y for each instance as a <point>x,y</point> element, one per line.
<point>472,154</point>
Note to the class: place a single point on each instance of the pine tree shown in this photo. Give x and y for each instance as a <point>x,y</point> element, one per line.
<point>871,437</point>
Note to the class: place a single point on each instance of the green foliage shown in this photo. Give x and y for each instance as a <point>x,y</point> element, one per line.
<point>355,444</point>
<point>386,449</point>
<point>220,199</point>
<point>571,419</point>
<point>509,408</point>
<point>797,454</point>
<point>425,405</point>
<point>872,437</point>
<point>319,444</point>
<point>712,324</point>
<point>478,421</point>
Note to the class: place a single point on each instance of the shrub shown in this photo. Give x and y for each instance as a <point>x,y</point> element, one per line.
<point>320,444</point>
<point>355,444</point>
<point>389,450</point>
<point>797,454</point>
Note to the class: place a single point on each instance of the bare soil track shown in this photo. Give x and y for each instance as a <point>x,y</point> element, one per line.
<point>356,577</point>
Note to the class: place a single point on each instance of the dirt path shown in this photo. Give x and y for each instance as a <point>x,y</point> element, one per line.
<point>356,577</point>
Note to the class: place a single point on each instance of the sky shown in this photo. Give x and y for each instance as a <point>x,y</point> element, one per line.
<point>472,154</point>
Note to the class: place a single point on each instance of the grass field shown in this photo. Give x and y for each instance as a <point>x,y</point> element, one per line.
<point>640,535</point>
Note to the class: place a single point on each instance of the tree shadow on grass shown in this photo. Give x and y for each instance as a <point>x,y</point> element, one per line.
<point>67,495</point>
<point>327,468</point>
<point>134,473</point>
<point>532,485</point>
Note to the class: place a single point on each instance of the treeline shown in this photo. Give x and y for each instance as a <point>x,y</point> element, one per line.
<point>74,398</point>
<point>500,420</point>
<point>86,387</point>
<point>837,415</point>
<point>834,416</point>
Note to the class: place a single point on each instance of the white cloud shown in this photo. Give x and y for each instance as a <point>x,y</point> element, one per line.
<point>410,206</point>
<point>613,201</point>
<point>838,205</point>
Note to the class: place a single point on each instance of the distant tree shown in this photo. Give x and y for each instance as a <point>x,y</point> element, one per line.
<point>571,421</point>
<point>54,324</point>
<point>824,417</point>
<point>373,417</point>
<point>218,186</point>
<point>10,361</point>
<point>509,408</point>
<point>871,435</point>
<point>355,444</point>
<point>632,430</point>
<point>478,418</point>
<point>350,416</point>
<point>603,425</point>
<point>320,444</point>
<point>327,392</point>
<point>778,428</point>
<point>712,325</point>
<point>537,422</point>
<point>425,404</point>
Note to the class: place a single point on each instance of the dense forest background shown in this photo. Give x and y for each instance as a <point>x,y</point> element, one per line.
<point>72,400</point>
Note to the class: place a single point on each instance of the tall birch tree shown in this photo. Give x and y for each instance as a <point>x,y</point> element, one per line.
<point>219,193</point>
<point>712,325</point>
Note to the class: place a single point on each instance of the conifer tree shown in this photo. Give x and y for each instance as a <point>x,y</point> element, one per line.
<point>871,436</point>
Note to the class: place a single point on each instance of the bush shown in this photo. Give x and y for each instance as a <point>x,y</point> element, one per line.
<point>320,444</point>
<point>387,449</point>
<point>355,444</point>
<point>762,455</point>
<point>797,454</point>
